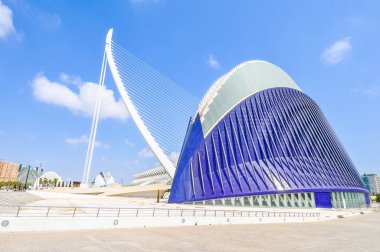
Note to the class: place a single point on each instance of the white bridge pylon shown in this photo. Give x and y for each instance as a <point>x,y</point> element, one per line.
<point>153,145</point>
<point>94,126</point>
<point>158,106</point>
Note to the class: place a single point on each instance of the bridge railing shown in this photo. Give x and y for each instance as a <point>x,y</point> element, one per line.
<point>56,211</point>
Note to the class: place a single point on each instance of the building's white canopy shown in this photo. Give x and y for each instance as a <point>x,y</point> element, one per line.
<point>49,176</point>
<point>238,84</point>
<point>156,176</point>
<point>104,179</point>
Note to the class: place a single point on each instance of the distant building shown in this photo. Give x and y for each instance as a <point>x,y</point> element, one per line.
<point>16,172</point>
<point>104,179</point>
<point>9,171</point>
<point>76,184</point>
<point>51,177</point>
<point>156,176</point>
<point>29,175</point>
<point>366,182</point>
<point>374,183</point>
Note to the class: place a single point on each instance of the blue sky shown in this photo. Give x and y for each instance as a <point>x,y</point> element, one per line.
<point>330,48</point>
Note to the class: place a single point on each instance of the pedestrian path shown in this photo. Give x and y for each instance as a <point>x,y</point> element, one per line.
<point>10,198</point>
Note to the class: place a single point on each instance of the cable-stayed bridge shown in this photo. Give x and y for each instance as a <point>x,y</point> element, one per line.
<point>160,108</point>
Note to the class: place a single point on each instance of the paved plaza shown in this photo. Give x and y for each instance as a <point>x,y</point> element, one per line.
<point>11,198</point>
<point>357,233</point>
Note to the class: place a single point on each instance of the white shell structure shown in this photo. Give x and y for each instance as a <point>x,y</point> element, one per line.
<point>241,82</point>
<point>104,179</point>
<point>51,175</point>
<point>156,176</point>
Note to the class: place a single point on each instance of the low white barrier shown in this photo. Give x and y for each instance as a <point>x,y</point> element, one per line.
<point>32,218</point>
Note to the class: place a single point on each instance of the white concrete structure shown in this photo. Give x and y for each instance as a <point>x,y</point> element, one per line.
<point>64,211</point>
<point>74,218</point>
<point>20,224</point>
<point>253,76</point>
<point>104,179</point>
<point>49,176</point>
<point>154,146</point>
<point>148,97</point>
<point>94,126</point>
<point>156,176</point>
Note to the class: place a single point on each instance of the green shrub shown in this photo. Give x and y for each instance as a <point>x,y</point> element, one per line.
<point>10,185</point>
<point>378,197</point>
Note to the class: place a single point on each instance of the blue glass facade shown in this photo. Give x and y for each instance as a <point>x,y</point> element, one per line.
<point>275,141</point>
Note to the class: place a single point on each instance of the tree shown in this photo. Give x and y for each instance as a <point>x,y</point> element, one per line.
<point>55,182</point>
<point>378,197</point>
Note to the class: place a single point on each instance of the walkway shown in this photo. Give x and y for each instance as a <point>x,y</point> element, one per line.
<point>11,198</point>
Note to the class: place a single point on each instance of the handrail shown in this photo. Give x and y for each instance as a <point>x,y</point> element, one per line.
<point>59,211</point>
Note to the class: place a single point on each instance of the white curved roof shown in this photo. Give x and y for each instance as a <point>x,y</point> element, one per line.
<point>51,175</point>
<point>238,84</point>
<point>104,179</point>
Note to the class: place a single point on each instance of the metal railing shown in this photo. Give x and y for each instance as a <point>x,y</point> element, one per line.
<point>55,211</point>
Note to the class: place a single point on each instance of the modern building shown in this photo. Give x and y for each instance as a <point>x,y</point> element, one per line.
<point>156,176</point>
<point>9,171</point>
<point>50,177</point>
<point>255,140</point>
<point>29,175</point>
<point>258,140</point>
<point>366,182</point>
<point>104,179</point>
<point>373,183</point>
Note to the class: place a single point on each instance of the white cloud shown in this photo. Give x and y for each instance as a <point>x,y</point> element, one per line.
<point>81,102</point>
<point>70,79</point>
<point>368,91</point>
<point>50,21</point>
<point>372,91</point>
<point>128,142</point>
<point>337,51</point>
<point>145,153</point>
<point>6,21</point>
<point>83,139</point>
<point>213,62</point>
<point>77,141</point>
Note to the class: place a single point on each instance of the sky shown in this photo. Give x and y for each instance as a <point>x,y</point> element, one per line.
<point>51,55</point>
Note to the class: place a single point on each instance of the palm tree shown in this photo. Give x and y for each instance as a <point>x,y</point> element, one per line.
<point>55,182</point>
<point>45,181</point>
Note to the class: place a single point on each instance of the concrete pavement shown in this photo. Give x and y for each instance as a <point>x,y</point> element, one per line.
<point>11,198</point>
<point>357,233</point>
